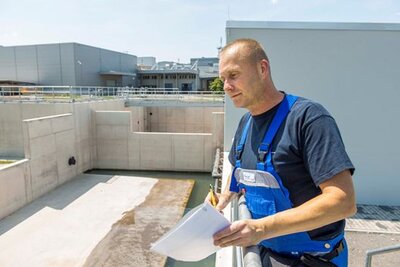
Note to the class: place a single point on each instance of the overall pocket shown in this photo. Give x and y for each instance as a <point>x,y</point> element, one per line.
<point>260,202</point>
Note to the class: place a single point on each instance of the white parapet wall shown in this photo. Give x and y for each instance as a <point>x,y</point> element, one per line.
<point>14,187</point>
<point>118,147</point>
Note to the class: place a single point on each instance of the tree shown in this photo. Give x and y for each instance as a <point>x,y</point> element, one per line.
<point>217,85</point>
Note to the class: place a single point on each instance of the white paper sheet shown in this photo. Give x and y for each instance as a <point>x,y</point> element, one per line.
<point>191,238</point>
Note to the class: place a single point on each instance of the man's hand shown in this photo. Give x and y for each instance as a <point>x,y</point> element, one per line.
<point>222,199</point>
<point>242,233</point>
<point>208,198</point>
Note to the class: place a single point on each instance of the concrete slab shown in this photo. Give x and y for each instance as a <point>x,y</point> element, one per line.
<point>134,151</point>
<point>62,123</point>
<point>188,151</point>
<point>113,117</point>
<point>64,227</point>
<point>161,144</point>
<point>39,127</point>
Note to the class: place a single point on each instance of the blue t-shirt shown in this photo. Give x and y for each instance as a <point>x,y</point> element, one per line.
<point>306,151</point>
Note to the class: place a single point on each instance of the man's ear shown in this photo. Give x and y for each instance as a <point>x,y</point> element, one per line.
<point>264,68</point>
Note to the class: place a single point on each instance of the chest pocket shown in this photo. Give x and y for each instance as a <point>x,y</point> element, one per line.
<point>262,191</point>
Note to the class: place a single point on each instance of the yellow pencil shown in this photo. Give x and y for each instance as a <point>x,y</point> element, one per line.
<point>212,194</point>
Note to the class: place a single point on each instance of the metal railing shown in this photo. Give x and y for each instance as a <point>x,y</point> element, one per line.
<point>217,167</point>
<point>371,253</point>
<point>88,93</point>
<point>245,256</point>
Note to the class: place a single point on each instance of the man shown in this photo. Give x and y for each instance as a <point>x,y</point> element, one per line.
<point>291,165</point>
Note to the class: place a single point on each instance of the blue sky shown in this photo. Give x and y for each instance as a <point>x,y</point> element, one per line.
<point>167,29</point>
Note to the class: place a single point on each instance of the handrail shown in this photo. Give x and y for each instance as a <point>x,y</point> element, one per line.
<point>251,255</point>
<point>75,93</point>
<point>216,172</point>
<point>373,252</point>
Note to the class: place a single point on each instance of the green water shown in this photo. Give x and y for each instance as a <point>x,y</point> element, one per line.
<point>200,190</point>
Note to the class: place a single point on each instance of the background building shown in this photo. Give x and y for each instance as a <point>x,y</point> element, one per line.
<point>170,75</point>
<point>146,63</point>
<point>208,70</point>
<point>71,64</point>
<point>74,64</point>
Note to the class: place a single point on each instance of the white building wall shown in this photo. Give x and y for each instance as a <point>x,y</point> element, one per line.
<point>353,70</point>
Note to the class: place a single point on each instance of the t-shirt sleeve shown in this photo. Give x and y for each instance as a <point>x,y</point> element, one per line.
<point>323,150</point>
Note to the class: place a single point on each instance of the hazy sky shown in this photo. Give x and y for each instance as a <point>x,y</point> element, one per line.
<point>167,29</point>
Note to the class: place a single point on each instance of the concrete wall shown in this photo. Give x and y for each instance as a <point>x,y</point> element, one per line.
<point>12,115</point>
<point>97,138</point>
<point>218,129</point>
<point>353,70</point>
<point>48,143</point>
<point>120,148</point>
<point>180,119</point>
<point>138,118</point>
<point>14,187</point>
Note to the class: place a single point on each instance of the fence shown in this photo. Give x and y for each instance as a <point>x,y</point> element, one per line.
<point>88,93</point>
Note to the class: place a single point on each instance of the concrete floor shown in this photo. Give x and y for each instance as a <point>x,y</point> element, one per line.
<point>373,227</point>
<point>66,226</point>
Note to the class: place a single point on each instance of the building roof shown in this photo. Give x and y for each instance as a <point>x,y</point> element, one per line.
<point>313,25</point>
<point>117,73</point>
<point>168,71</point>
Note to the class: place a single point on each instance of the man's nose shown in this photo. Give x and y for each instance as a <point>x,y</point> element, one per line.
<point>227,86</point>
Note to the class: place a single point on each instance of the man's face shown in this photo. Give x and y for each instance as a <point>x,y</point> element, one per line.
<point>241,79</point>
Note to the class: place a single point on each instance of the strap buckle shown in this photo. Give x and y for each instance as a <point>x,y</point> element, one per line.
<point>239,154</point>
<point>335,252</point>
<point>262,152</point>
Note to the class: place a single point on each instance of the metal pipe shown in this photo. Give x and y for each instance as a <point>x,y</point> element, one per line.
<point>373,252</point>
<point>251,254</point>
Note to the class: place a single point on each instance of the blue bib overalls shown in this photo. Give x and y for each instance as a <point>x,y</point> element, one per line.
<point>266,195</point>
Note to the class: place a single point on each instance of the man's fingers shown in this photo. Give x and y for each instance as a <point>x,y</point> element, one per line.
<point>230,240</point>
<point>228,231</point>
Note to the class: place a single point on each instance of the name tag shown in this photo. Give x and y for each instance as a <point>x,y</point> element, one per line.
<point>249,177</point>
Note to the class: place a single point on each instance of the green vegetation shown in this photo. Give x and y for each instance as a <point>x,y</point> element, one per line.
<point>5,161</point>
<point>217,85</point>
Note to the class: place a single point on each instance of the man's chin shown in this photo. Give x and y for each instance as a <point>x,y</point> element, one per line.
<point>237,104</point>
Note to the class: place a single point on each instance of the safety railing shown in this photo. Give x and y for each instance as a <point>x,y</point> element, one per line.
<point>371,253</point>
<point>88,93</point>
<point>245,256</point>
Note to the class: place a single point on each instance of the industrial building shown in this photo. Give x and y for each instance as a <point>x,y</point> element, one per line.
<point>70,64</point>
<point>75,64</point>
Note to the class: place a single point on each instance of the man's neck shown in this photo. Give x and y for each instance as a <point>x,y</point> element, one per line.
<point>269,101</point>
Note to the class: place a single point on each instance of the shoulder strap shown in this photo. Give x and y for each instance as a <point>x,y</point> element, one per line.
<point>240,146</point>
<point>279,117</point>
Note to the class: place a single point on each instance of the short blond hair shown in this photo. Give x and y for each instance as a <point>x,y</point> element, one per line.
<point>251,50</point>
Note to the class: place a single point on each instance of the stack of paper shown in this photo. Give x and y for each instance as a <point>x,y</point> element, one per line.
<point>191,239</point>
